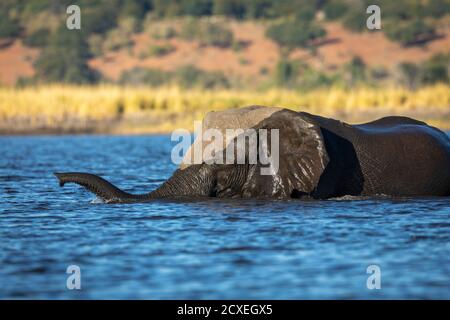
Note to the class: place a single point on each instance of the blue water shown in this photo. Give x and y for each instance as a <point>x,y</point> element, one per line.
<point>203,249</point>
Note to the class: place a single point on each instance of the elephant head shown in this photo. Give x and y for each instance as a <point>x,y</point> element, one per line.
<point>302,160</point>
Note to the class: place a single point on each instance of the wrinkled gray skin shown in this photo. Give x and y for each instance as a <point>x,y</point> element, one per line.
<point>319,158</point>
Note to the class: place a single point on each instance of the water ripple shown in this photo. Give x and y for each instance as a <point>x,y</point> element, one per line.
<point>201,248</point>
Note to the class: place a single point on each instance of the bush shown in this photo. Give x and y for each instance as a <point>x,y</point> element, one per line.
<point>334,9</point>
<point>139,76</point>
<point>65,59</point>
<point>95,42</point>
<point>356,71</point>
<point>120,37</point>
<point>285,72</point>
<point>291,34</point>
<point>229,8</point>
<point>410,32</point>
<point>289,8</point>
<point>400,10</point>
<point>305,15</point>
<point>355,20</point>
<point>256,9</point>
<point>296,74</point>
<point>207,33</point>
<point>436,70</point>
<point>99,19</point>
<point>379,73</point>
<point>409,74</point>
<point>165,8</point>
<point>186,77</point>
<point>430,72</point>
<point>135,8</point>
<point>8,26</point>
<point>197,8</point>
<point>437,8</point>
<point>190,76</point>
<point>161,50</point>
<point>165,33</point>
<point>38,39</point>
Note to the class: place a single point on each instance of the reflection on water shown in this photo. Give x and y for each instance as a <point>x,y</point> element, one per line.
<point>201,249</point>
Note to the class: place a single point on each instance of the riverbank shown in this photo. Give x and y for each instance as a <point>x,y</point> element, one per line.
<point>108,109</point>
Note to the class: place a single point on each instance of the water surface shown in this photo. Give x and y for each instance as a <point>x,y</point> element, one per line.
<point>201,249</point>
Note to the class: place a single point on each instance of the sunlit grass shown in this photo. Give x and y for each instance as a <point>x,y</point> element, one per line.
<point>140,110</point>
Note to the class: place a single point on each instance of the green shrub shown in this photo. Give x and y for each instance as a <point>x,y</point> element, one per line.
<point>162,32</point>
<point>291,34</point>
<point>197,8</point>
<point>189,76</point>
<point>165,8</point>
<point>161,50</point>
<point>410,32</point>
<point>135,8</point>
<point>229,8</point>
<point>296,74</point>
<point>355,20</point>
<point>379,73</point>
<point>256,9</point>
<point>95,42</point>
<point>8,26</point>
<point>355,71</point>
<point>99,19</point>
<point>139,76</point>
<point>400,10</point>
<point>290,9</point>
<point>120,37</point>
<point>215,35</point>
<point>65,59</point>
<point>239,45</point>
<point>409,74</point>
<point>285,72</point>
<point>431,71</point>
<point>207,33</point>
<point>35,6</point>
<point>38,39</point>
<point>436,70</point>
<point>305,14</point>
<point>244,61</point>
<point>437,8</point>
<point>334,9</point>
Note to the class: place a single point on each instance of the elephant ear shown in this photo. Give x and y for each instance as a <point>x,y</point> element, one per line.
<point>302,157</point>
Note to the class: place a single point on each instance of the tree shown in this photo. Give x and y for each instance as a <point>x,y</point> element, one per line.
<point>410,74</point>
<point>65,59</point>
<point>334,9</point>
<point>229,8</point>
<point>197,8</point>
<point>436,69</point>
<point>410,32</point>
<point>38,38</point>
<point>355,20</point>
<point>295,33</point>
<point>8,26</point>
<point>356,70</point>
<point>285,72</point>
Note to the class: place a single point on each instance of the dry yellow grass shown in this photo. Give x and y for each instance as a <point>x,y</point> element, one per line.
<point>118,109</point>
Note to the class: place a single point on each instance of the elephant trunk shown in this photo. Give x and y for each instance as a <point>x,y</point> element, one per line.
<point>96,185</point>
<point>195,180</point>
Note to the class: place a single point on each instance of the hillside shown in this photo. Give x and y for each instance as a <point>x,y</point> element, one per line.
<point>257,57</point>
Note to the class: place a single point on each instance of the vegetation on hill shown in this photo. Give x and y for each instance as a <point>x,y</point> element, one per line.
<point>109,25</point>
<point>65,59</point>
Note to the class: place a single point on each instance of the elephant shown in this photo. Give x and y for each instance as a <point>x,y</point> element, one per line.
<point>319,158</point>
